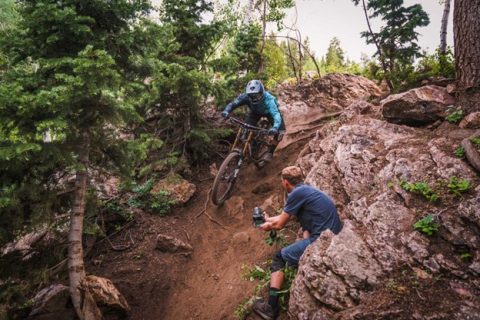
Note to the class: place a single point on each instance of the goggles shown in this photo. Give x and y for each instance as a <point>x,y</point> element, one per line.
<point>256,96</point>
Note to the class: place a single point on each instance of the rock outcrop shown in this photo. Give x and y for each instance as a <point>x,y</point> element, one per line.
<point>417,106</point>
<point>379,267</point>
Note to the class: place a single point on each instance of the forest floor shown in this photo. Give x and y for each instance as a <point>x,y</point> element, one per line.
<point>209,283</point>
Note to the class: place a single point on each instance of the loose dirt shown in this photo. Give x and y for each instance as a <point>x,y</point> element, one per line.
<point>208,284</point>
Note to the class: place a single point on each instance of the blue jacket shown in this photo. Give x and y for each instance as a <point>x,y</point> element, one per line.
<point>267,106</point>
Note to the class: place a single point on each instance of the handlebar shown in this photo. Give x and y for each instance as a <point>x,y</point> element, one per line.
<point>246,125</point>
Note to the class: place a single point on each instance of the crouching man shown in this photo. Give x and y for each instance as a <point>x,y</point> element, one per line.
<point>315,211</point>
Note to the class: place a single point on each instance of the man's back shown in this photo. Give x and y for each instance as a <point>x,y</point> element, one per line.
<point>315,211</point>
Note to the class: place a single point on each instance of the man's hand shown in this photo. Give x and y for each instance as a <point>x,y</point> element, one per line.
<point>273,131</point>
<point>267,226</point>
<point>225,115</point>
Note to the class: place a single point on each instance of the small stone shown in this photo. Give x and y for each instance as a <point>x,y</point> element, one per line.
<point>167,243</point>
<point>241,238</point>
<point>471,121</point>
<point>421,273</point>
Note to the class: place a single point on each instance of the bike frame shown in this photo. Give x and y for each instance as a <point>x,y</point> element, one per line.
<point>246,151</point>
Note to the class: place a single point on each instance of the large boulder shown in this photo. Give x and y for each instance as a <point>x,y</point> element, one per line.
<point>417,106</point>
<point>106,296</point>
<point>360,161</point>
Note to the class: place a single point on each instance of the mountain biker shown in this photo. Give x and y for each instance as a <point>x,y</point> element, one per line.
<point>316,213</point>
<point>261,103</point>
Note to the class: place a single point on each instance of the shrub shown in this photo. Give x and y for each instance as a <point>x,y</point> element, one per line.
<point>460,152</point>
<point>455,116</point>
<point>420,188</point>
<point>159,202</point>
<point>426,225</point>
<point>458,186</point>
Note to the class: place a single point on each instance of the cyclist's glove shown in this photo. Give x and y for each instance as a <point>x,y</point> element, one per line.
<point>225,115</point>
<point>273,131</point>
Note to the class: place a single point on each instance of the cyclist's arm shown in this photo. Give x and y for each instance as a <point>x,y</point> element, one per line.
<point>239,101</point>
<point>272,106</point>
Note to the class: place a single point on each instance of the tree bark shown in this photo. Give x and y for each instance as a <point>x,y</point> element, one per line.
<point>83,303</point>
<point>443,29</point>
<point>381,56</point>
<point>306,50</point>
<point>466,32</point>
<point>264,33</point>
<point>292,60</point>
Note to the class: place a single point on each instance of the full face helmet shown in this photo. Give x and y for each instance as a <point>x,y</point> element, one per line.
<point>255,90</point>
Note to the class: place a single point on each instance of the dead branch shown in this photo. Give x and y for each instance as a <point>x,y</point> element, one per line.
<point>204,210</point>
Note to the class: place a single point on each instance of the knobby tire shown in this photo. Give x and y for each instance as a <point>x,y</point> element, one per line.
<point>224,181</point>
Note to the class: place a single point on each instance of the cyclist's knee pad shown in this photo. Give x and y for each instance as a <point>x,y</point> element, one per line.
<point>277,262</point>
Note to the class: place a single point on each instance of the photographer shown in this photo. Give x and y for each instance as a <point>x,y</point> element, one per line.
<point>315,211</point>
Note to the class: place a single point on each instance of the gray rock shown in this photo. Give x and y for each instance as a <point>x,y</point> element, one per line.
<point>359,161</point>
<point>417,106</point>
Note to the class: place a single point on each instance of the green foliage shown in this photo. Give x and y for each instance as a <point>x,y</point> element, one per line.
<point>8,14</point>
<point>466,256</point>
<point>455,116</point>
<point>275,238</point>
<point>397,37</point>
<point>421,188</point>
<point>460,152</point>
<point>426,225</point>
<point>70,74</point>
<point>263,276</point>
<point>275,64</point>
<point>475,141</point>
<point>159,202</point>
<point>243,309</point>
<point>335,56</point>
<point>458,186</point>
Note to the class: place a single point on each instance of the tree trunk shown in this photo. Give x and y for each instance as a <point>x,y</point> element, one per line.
<point>292,60</point>
<point>250,9</point>
<point>466,32</point>
<point>381,55</point>
<point>82,301</point>
<point>443,29</point>
<point>264,33</point>
<point>306,50</point>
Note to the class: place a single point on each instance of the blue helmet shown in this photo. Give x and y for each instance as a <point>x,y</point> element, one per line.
<point>255,90</point>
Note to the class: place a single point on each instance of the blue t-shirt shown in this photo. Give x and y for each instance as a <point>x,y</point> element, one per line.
<point>314,210</point>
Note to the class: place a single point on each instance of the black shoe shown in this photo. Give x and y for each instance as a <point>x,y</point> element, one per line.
<point>264,310</point>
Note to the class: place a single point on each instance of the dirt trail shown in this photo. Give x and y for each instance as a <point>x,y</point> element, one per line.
<point>207,285</point>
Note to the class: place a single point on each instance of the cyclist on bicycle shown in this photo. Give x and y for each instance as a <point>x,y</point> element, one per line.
<point>261,103</point>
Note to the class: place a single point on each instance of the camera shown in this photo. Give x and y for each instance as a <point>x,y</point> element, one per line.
<point>257,216</point>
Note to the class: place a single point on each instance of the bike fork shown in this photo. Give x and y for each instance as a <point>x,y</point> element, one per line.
<point>237,169</point>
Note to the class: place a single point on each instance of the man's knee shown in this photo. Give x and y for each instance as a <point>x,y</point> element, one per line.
<point>277,262</point>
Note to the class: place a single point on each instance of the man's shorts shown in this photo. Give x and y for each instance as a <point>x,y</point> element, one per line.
<point>292,253</point>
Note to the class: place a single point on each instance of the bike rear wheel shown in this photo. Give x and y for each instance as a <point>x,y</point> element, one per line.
<point>225,179</point>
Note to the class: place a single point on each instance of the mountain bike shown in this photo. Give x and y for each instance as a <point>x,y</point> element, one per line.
<point>251,143</point>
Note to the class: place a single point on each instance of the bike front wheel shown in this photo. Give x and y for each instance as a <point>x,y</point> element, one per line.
<point>225,179</point>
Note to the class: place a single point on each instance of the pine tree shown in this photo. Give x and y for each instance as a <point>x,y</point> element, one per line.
<point>70,85</point>
<point>396,41</point>
<point>335,57</point>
